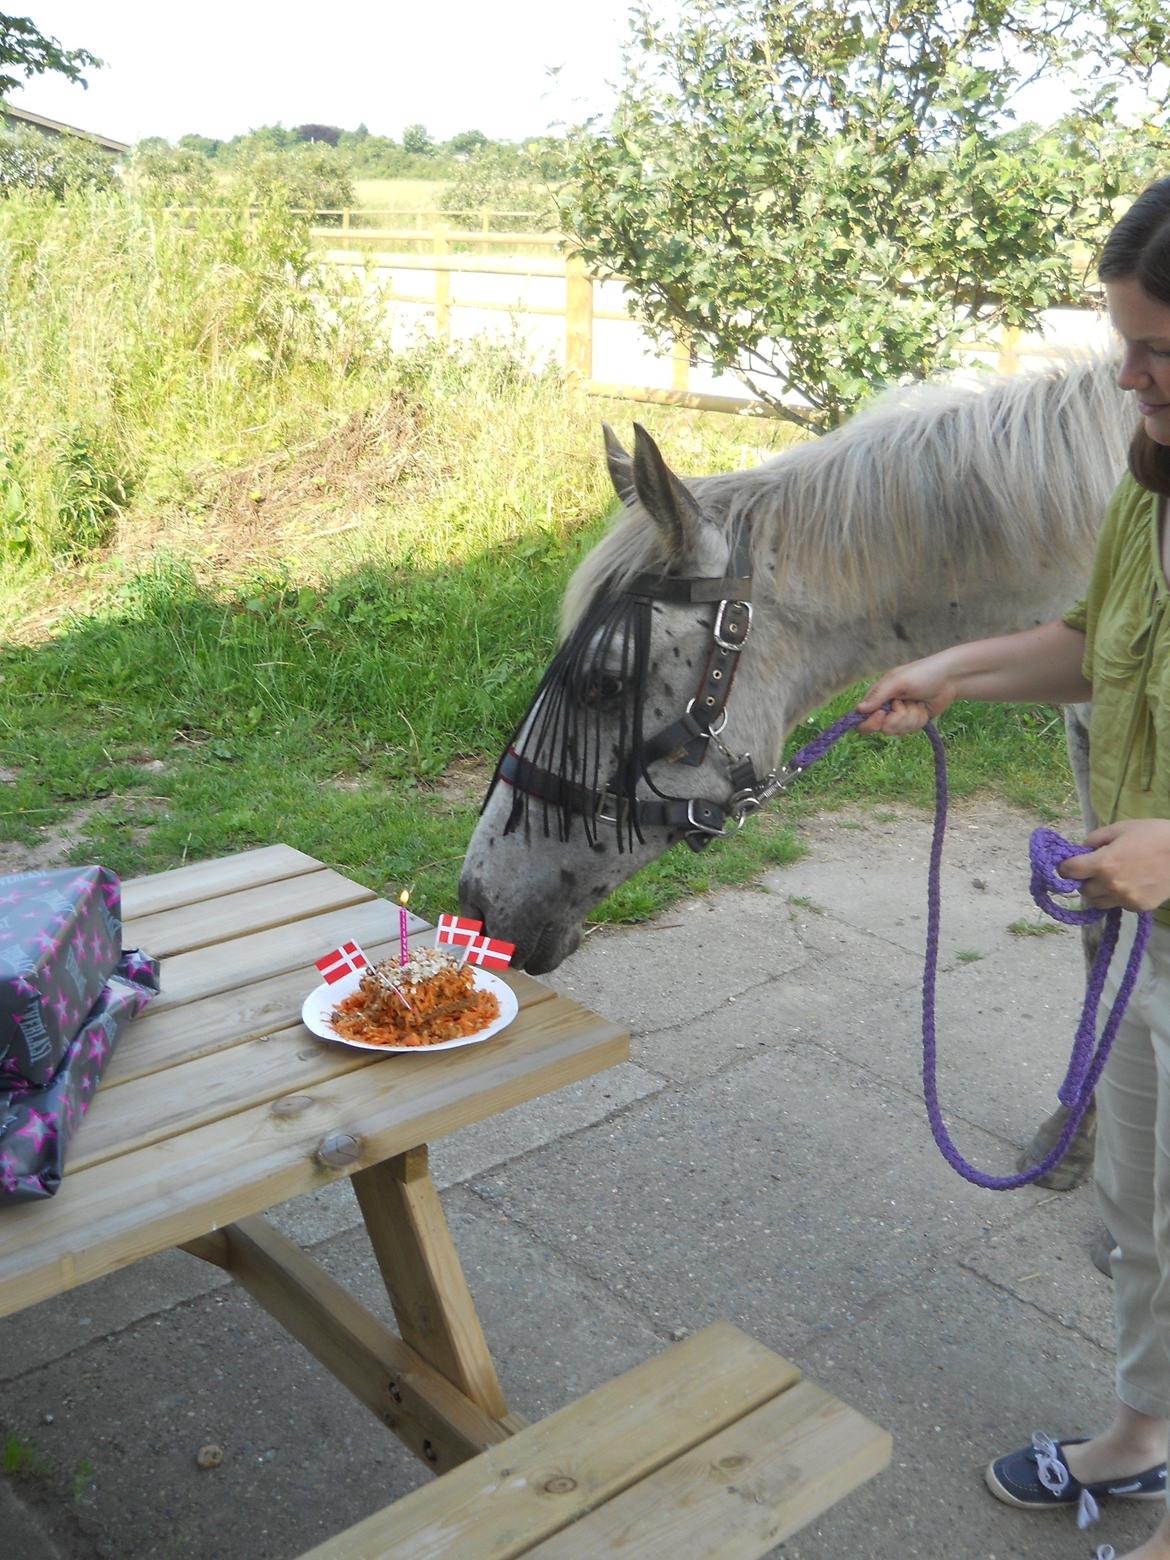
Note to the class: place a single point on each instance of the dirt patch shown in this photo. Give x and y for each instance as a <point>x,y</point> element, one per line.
<point>258,512</point>
<point>52,846</point>
<point>464,781</point>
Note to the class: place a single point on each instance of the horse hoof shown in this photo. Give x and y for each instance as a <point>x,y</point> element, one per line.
<point>1101,1249</point>
<point>1077,1165</point>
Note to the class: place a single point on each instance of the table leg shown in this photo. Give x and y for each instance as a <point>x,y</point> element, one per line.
<point>423,1408</point>
<point>423,1277</point>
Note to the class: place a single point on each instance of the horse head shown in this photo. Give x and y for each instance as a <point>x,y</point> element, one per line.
<point>632,743</point>
<point>941,513</point>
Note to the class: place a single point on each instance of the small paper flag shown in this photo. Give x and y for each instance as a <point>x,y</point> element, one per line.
<point>341,962</point>
<point>458,930</point>
<point>490,952</point>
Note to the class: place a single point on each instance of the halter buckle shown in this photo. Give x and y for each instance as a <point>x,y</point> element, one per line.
<point>733,623</point>
<point>599,811</point>
<point>697,826</point>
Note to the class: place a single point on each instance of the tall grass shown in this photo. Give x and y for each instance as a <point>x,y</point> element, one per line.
<point>136,343</point>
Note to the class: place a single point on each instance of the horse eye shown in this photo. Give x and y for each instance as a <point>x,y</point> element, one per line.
<point>599,689</point>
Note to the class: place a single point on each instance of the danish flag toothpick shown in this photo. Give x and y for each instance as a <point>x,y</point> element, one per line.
<point>343,961</point>
<point>490,952</point>
<point>457,930</point>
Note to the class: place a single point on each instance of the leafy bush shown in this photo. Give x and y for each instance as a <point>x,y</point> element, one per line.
<point>307,177</point>
<point>499,179</point>
<point>54,164</point>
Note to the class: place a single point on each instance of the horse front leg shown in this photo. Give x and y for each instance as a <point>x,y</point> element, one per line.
<point>1077,1164</point>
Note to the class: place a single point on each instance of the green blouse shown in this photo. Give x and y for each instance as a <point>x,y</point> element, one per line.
<point>1126,624</point>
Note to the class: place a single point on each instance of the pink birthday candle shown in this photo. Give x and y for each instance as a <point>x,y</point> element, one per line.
<point>403,949</point>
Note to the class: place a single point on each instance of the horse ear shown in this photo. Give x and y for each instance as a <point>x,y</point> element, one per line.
<point>664,498</point>
<point>621,467</point>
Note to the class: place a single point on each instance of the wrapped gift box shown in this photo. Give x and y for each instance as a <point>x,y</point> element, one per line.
<point>60,939</point>
<point>36,1124</point>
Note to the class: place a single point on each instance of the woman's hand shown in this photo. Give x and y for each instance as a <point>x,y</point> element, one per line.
<point>1128,866</point>
<point>916,693</point>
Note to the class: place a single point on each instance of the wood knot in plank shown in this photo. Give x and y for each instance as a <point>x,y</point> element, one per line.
<point>291,1105</point>
<point>339,1149</point>
<point>560,1484</point>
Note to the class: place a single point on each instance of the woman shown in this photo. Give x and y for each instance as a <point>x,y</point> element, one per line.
<point>1114,647</point>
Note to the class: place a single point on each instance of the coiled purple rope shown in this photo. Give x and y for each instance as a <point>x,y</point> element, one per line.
<point>1089,1054</point>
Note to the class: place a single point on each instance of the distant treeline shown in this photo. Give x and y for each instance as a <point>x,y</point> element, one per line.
<point>365,155</point>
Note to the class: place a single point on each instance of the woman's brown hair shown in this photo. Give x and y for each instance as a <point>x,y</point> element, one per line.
<point>1138,248</point>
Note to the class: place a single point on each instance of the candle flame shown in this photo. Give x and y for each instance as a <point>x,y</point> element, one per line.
<point>404,896</point>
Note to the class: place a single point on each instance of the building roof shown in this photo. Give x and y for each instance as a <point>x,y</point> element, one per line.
<point>55,127</point>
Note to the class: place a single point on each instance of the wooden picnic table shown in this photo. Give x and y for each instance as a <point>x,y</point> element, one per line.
<point>219,1104</point>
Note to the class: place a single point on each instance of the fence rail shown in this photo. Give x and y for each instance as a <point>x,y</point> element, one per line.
<point>578,307</point>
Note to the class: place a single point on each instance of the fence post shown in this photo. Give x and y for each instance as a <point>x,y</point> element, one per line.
<point>578,320</point>
<point>345,219</point>
<point>1008,360</point>
<point>442,285</point>
<point>680,358</point>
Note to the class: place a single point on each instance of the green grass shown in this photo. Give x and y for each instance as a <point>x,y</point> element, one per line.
<point>261,580</point>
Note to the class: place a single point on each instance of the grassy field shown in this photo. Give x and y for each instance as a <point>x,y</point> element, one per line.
<point>423,196</point>
<point>260,580</point>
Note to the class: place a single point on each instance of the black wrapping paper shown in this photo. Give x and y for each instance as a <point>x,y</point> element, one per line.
<point>36,1123</point>
<point>60,938</point>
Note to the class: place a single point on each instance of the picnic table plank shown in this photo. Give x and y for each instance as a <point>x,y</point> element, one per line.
<point>133,1112</point>
<point>514,1495</point>
<point>741,1492</point>
<point>144,896</point>
<point>205,971</point>
<point>128,1207</point>
<point>169,1035</point>
<point>182,928</point>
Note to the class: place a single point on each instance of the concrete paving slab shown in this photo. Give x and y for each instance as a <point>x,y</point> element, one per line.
<point>874,876</point>
<point>786,1194</point>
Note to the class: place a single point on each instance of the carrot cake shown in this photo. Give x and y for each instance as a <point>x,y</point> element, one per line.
<point>429,999</point>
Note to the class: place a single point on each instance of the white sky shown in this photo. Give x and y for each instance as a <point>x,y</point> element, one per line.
<point>220,67</point>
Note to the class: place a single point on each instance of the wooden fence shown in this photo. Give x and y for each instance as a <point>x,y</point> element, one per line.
<point>443,250</point>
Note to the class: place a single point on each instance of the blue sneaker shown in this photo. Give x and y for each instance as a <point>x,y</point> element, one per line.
<point>1037,1478</point>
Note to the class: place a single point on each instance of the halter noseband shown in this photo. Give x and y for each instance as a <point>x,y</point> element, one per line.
<point>686,740</point>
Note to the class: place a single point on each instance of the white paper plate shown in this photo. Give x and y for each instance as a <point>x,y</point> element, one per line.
<point>319,1004</point>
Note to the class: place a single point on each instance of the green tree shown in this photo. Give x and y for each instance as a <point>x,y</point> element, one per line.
<point>417,139</point>
<point>826,195</point>
<point>26,52</point>
<point>205,145</point>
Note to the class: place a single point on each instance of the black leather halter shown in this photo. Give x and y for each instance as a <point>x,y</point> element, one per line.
<point>687,739</point>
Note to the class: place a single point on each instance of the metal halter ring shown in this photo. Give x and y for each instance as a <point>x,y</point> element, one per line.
<point>710,731</point>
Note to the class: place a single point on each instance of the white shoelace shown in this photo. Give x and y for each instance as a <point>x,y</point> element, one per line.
<point>1054,1476</point>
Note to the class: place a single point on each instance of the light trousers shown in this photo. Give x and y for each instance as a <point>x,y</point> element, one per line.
<point>1133,1174</point>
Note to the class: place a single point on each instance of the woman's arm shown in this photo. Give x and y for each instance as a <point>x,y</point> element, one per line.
<point>1040,664</point>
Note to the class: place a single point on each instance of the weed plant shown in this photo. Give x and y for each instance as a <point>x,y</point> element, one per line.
<point>264,581</point>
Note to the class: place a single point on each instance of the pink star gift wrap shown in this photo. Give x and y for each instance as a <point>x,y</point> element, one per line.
<point>60,939</point>
<point>37,1122</point>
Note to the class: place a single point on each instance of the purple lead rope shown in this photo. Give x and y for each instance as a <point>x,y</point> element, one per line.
<point>1089,1054</point>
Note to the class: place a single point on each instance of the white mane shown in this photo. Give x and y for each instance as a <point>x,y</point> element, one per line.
<point>1001,475</point>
